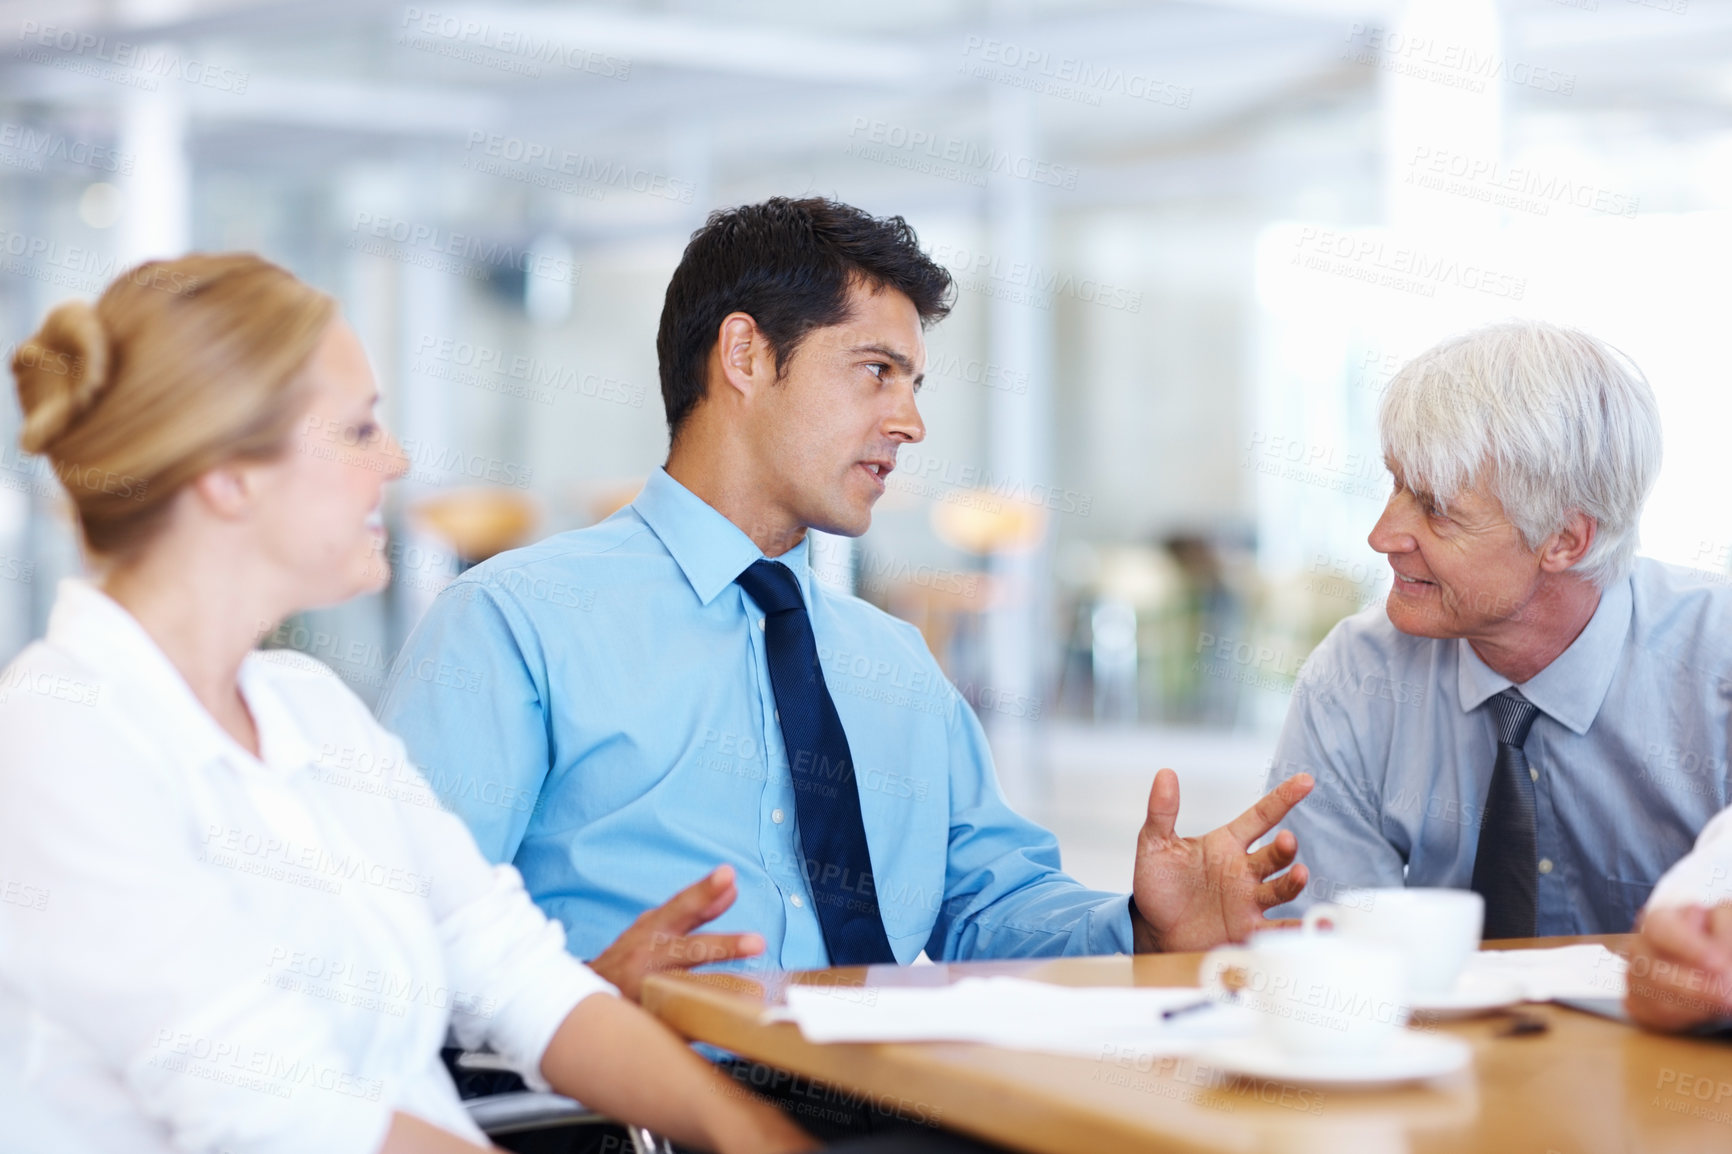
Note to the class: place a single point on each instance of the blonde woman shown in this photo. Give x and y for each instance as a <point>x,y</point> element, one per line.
<point>209,941</point>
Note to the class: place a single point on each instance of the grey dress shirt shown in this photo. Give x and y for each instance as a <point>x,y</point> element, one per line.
<point>1629,752</point>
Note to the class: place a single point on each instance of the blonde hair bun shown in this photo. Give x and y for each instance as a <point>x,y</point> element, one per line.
<point>60,371</point>
<point>180,366</point>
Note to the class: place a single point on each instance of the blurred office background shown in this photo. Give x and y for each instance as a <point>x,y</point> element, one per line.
<point>1192,241</point>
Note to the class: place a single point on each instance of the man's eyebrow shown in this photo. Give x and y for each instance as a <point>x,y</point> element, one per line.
<point>900,360</point>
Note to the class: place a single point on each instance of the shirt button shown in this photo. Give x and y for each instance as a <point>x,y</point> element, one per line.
<point>799,902</point>
<point>777,815</point>
<point>1533,774</point>
<point>760,623</point>
<point>1545,865</point>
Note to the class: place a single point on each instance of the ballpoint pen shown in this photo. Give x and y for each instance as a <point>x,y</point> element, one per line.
<point>1179,1011</point>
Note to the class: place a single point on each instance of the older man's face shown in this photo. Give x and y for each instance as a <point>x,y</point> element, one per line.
<point>1463,571</point>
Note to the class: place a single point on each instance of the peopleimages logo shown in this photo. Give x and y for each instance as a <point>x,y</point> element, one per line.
<point>481,366</point>
<point>39,146</point>
<point>1453,65</point>
<point>969,156</point>
<point>458,36</point>
<point>1383,264</point>
<point>1067,77</point>
<point>989,274</point>
<point>452,462</point>
<point>946,474</point>
<point>1521,188</point>
<point>526,160</point>
<point>408,236</point>
<point>148,63</point>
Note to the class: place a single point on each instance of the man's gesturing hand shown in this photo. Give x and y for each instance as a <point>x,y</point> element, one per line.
<point>1680,972</point>
<point>1193,893</point>
<point>662,938</point>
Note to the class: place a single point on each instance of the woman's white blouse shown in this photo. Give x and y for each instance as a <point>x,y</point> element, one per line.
<point>201,950</point>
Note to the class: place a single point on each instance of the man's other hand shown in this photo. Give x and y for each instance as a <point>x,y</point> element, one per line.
<point>662,938</point>
<point>1680,972</point>
<point>1194,893</point>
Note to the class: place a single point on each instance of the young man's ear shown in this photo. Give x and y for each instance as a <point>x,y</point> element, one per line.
<point>1566,548</point>
<point>743,356</point>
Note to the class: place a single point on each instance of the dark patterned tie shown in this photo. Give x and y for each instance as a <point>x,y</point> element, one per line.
<point>1506,866</point>
<point>838,865</point>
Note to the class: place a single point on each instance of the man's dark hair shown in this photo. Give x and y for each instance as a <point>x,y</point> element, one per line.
<point>789,265</point>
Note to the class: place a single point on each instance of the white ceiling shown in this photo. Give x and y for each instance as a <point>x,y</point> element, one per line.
<point>778,87</point>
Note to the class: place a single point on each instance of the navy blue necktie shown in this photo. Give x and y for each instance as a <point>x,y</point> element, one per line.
<point>1506,864</point>
<point>838,865</point>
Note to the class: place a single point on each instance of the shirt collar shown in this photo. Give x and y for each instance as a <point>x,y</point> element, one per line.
<point>1571,689</point>
<point>283,744</point>
<point>710,549</point>
<point>97,630</point>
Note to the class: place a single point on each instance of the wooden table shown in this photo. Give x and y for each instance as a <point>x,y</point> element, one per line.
<point>1586,1085</point>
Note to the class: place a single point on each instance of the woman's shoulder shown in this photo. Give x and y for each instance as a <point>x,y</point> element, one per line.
<point>329,714</point>
<point>68,736</point>
<point>48,693</point>
<point>305,681</point>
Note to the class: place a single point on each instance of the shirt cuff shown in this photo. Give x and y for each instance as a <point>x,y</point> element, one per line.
<point>525,982</point>
<point>1699,881</point>
<point>526,1026</point>
<point>1107,927</point>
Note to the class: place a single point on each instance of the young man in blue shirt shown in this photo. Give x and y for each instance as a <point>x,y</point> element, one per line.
<point>669,695</point>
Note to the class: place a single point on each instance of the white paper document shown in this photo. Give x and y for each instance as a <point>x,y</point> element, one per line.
<point>1561,972</point>
<point>1014,1013</point>
<point>1023,1015</point>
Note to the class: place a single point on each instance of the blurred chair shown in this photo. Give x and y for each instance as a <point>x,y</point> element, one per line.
<point>944,616</point>
<point>981,522</point>
<point>529,1111</point>
<point>984,525</point>
<point>479,522</point>
<point>1219,589</point>
<point>602,499</point>
<point>1289,615</point>
<point>1113,659</point>
<point>1134,586</point>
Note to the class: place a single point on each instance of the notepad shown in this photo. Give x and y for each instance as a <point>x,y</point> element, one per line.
<point>1561,972</point>
<point>1014,1013</point>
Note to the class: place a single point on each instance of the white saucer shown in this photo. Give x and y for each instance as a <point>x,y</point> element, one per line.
<point>1408,1057</point>
<point>1473,994</point>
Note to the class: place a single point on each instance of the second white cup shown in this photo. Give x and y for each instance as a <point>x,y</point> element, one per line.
<point>1316,995</point>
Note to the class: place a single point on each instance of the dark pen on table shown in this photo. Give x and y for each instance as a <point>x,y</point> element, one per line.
<point>1189,1007</point>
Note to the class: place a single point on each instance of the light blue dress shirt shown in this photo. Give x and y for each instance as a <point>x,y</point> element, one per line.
<point>598,708</point>
<point>1629,751</point>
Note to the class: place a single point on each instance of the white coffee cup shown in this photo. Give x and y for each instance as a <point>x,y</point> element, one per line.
<point>1436,930</point>
<point>1317,995</point>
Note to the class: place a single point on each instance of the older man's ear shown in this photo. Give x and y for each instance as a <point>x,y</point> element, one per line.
<point>1566,548</point>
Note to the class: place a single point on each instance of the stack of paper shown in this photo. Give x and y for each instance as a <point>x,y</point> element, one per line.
<point>1024,1015</point>
<point>1563,972</point>
<point>1013,1013</point>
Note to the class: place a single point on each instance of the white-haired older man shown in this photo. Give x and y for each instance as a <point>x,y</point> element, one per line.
<point>1535,713</point>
